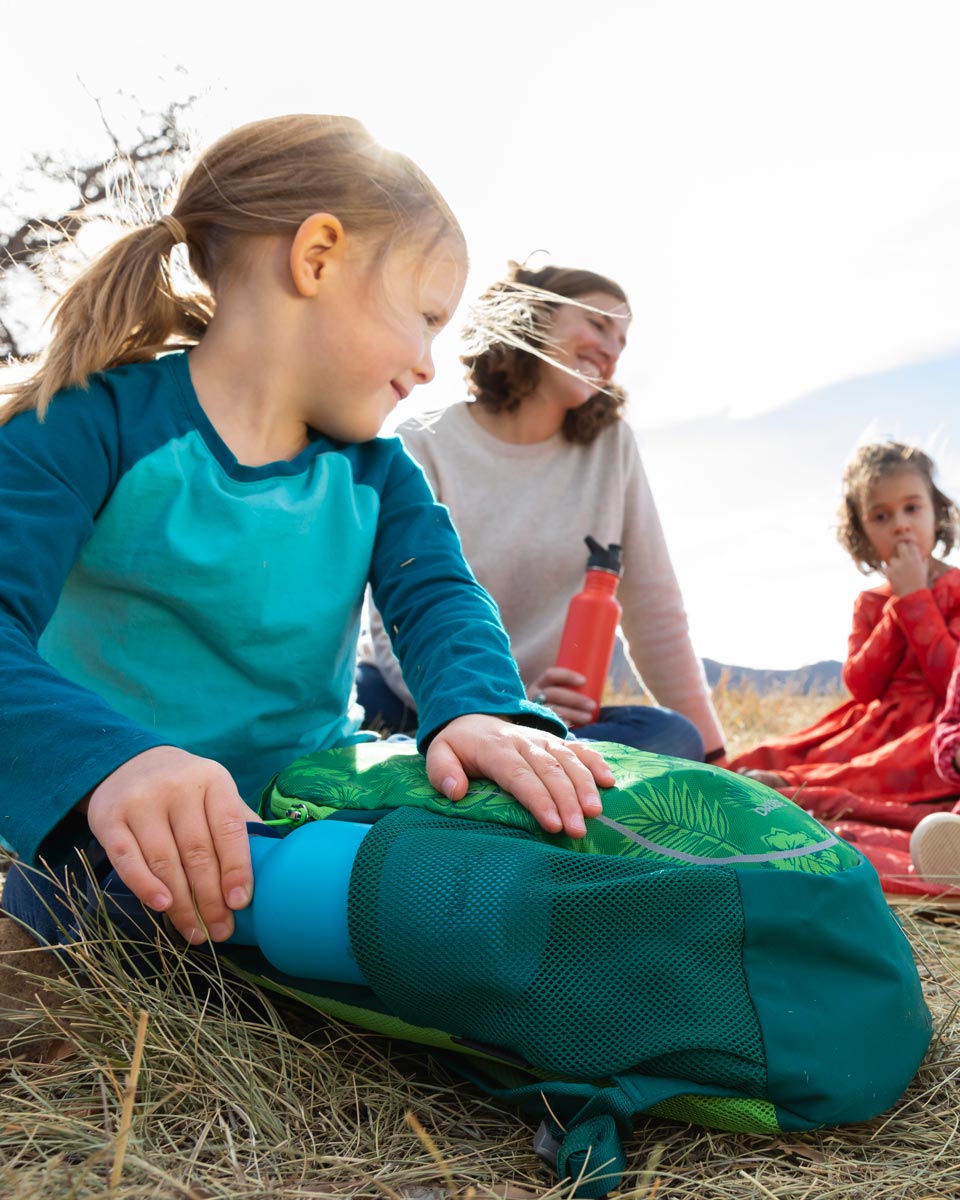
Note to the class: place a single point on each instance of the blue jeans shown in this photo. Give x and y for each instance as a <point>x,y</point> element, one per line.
<point>659,730</point>
<point>53,906</point>
<point>57,905</point>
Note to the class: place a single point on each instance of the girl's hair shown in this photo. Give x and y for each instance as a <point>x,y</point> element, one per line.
<point>509,328</point>
<point>869,465</point>
<point>263,178</point>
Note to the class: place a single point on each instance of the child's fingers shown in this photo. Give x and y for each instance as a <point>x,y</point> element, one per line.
<point>444,769</point>
<point>157,862</point>
<point>227,818</point>
<point>199,907</point>
<point>558,789</point>
<point>594,761</point>
<point>555,780</point>
<point>150,862</point>
<point>548,777</point>
<point>173,826</point>
<point>126,857</point>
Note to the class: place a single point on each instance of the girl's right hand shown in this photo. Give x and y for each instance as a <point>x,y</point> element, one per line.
<point>906,569</point>
<point>554,688</point>
<point>174,827</point>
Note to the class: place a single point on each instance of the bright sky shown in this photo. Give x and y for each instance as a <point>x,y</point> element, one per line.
<point>774,182</point>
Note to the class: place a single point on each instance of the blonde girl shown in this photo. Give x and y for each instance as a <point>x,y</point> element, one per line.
<point>193,497</point>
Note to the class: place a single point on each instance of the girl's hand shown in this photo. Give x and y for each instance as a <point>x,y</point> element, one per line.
<point>174,827</point>
<point>907,569</point>
<point>554,688</point>
<point>554,780</point>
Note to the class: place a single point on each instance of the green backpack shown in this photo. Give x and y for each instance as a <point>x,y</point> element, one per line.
<point>708,953</point>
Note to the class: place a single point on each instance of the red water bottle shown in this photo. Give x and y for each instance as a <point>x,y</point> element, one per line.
<point>592,619</point>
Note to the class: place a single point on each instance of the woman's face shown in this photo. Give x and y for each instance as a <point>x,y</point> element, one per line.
<point>586,342</point>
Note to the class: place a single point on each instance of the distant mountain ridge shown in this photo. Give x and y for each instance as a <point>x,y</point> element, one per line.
<point>814,679</point>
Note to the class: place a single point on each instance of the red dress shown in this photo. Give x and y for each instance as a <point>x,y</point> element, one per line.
<point>871,759</point>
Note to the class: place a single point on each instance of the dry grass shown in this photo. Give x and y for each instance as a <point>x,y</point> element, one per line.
<point>232,1097</point>
<point>749,718</point>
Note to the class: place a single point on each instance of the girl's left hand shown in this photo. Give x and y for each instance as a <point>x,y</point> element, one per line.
<point>554,780</point>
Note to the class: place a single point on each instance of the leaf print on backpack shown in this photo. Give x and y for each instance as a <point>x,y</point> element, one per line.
<point>817,862</point>
<point>308,780</point>
<point>681,818</point>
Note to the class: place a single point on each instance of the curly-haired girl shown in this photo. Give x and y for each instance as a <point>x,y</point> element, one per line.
<point>876,748</point>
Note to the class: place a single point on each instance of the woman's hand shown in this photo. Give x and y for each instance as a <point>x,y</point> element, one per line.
<point>554,688</point>
<point>907,569</point>
<point>554,780</point>
<point>174,827</point>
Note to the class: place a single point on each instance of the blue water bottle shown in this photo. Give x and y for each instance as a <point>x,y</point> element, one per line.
<point>298,914</point>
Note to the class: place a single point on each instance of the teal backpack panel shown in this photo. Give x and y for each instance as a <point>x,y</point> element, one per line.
<point>708,953</point>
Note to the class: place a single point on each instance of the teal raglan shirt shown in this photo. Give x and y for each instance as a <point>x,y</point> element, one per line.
<point>154,591</point>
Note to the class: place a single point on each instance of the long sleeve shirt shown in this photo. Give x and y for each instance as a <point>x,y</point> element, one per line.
<point>154,591</point>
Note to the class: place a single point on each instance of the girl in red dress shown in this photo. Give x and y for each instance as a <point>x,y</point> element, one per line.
<point>871,759</point>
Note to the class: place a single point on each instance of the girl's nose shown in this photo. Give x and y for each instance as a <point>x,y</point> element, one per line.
<point>424,371</point>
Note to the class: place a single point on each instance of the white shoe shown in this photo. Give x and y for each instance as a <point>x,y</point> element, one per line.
<point>935,849</point>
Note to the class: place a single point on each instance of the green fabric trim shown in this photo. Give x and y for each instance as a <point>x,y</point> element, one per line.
<point>353,1014</point>
<point>720,1112</point>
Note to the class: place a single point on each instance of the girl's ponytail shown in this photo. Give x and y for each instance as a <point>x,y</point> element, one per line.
<point>265,178</point>
<point>122,308</point>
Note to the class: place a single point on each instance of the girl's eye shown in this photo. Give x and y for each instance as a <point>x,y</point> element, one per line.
<point>596,323</point>
<point>878,518</point>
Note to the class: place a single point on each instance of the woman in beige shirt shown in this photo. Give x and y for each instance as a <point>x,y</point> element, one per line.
<point>537,461</point>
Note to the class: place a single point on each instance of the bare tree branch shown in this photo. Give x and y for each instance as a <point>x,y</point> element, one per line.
<point>145,166</point>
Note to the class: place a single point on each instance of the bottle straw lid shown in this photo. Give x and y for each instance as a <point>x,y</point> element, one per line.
<point>603,559</point>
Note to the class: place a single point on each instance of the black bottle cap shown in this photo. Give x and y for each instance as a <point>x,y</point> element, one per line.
<point>603,559</point>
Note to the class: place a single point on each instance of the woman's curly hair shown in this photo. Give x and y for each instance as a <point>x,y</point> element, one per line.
<point>508,333</point>
<point>870,464</point>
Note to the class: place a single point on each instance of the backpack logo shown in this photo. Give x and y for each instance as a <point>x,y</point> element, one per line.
<point>769,805</point>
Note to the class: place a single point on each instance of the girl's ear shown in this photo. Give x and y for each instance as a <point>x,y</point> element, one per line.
<point>317,245</point>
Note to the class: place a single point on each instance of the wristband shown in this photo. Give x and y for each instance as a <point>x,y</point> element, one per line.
<point>714,755</point>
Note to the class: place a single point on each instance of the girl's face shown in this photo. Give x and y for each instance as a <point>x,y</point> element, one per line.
<point>899,509</point>
<point>587,342</point>
<point>374,339</point>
